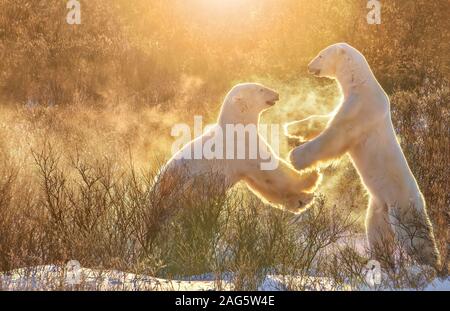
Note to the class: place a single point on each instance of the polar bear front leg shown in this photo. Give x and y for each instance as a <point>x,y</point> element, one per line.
<point>331,144</point>
<point>284,186</point>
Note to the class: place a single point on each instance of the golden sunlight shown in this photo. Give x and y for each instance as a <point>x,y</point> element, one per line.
<point>171,145</point>
<point>224,9</point>
<point>222,5</point>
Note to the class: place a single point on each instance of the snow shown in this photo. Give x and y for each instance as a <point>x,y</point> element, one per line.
<point>52,277</point>
<point>439,285</point>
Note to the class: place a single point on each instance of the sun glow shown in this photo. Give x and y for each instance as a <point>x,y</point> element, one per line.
<point>225,9</point>
<point>223,5</point>
<point>224,17</point>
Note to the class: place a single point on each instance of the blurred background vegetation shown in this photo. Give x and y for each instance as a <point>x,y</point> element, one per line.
<point>109,89</point>
<point>144,48</point>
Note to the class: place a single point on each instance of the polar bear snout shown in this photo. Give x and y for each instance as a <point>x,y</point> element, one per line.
<point>273,98</point>
<point>314,71</point>
<point>314,67</point>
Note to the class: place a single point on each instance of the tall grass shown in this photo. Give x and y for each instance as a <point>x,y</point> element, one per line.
<point>86,112</point>
<point>107,215</point>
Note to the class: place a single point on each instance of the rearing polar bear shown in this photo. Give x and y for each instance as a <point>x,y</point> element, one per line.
<point>280,184</point>
<point>362,126</point>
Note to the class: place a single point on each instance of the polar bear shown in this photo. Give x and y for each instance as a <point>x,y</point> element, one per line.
<point>280,185</point>
<point>361,126</point>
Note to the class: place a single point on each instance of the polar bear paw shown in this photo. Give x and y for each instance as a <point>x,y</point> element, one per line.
<point>299,158</point>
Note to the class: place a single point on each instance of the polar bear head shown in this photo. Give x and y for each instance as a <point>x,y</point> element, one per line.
<point>337,60</point>
<point>245,101</point>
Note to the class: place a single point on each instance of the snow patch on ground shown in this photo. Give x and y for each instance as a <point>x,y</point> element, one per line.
<point>52,277</point>
<point>439,285</point>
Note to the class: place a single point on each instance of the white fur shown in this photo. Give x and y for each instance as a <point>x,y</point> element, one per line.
<point>282,187</point>
<point>361,126</point>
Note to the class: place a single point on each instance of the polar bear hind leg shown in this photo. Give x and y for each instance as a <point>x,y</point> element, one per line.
<point>413,229</point>
<point>380,235</point>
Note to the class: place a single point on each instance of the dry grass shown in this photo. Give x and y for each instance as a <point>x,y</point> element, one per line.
<point>85,118</point>
<point>108,216</point>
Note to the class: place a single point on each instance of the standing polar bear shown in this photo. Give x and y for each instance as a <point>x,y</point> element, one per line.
<point>362,126</point>
<point>215,154</point>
